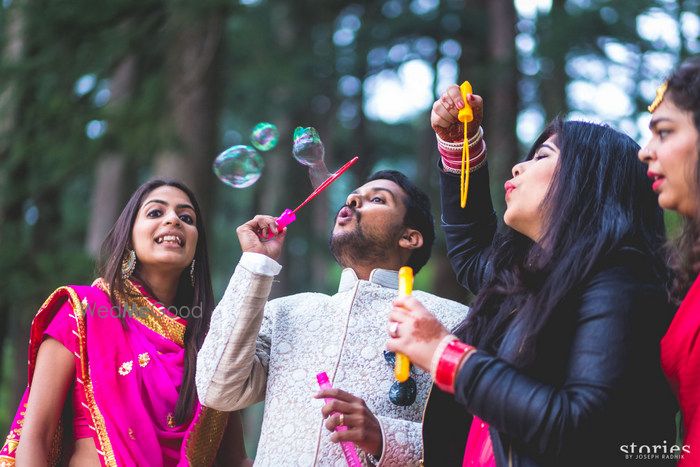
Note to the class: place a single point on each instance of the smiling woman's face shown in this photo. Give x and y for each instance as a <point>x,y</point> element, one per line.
<point>165,231</point>
<point>526,191</point>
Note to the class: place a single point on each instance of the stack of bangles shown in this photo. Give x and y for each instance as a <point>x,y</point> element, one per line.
<point>448,358</point>
<point>451,153</point>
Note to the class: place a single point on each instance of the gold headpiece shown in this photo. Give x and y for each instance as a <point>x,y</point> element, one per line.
<point>660,91</point>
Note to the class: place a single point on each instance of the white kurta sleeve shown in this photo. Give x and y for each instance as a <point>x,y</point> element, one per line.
<point>402,442</point>
<point>233,361</point>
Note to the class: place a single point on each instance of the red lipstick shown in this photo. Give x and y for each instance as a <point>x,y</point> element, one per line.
<point>657,180</point>
<point>509,186</point>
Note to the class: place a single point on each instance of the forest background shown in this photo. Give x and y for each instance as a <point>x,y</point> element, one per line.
<point>97,97</point>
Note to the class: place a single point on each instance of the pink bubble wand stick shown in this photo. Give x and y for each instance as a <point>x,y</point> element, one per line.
<point>288,216</point>
<point>348,447</point>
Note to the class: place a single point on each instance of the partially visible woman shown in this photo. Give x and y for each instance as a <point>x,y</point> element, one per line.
<point>112,365</point>
<point>557,363</point>
<point>673,157</point>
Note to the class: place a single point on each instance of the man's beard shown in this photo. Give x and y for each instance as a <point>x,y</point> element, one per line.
<point>357,247</point>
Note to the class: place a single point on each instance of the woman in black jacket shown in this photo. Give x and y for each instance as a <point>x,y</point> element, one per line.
<point>557,364</point>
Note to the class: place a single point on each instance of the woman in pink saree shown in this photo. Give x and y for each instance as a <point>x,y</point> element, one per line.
<point>112,365</point>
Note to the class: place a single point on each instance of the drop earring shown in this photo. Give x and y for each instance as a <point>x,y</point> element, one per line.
<point>128,263</point>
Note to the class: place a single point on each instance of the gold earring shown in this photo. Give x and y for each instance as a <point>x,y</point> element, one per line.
<point>192,273</point>
<point>128,264</point>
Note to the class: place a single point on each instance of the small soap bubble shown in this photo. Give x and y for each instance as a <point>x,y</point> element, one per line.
<point>308,148</point>
<point>239,166</point>
<point>264,136</point>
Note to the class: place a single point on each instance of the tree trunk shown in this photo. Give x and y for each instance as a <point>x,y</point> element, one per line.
<point>554,37</point>
<point>11,339</point>
<point>108,188</point>
<point>501,103</point>
<point>193,101</point>
<point>8,102</point>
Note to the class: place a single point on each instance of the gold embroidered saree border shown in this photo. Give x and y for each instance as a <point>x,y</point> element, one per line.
<point>205,439</point>
<point>12,441</point>
<point>106,450</point>
<point>155,319</point>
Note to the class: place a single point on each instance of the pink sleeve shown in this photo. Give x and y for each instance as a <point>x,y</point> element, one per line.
<point>63,328</point>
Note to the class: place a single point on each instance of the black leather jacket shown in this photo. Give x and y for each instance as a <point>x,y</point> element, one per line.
<point>596,384</point>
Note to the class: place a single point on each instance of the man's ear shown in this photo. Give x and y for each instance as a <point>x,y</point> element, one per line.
<point>411,239</point>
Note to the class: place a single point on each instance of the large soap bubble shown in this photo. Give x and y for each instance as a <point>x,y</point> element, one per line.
<point>264,136</point>
<point>308,148</point>
<point>239,166</point>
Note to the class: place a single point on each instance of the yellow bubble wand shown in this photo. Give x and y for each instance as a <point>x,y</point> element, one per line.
<point>465,116</point>
<point>402,365</point>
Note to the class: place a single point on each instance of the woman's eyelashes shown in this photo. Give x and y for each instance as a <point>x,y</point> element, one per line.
<point>155,213</point>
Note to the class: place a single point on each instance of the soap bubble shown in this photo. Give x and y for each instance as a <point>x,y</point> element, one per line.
<point>308,148</point>
<point>239,166</point>
<point>264,136</point>
<point>318,173</point>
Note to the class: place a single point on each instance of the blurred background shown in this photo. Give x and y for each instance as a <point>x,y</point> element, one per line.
<point>97,97</point>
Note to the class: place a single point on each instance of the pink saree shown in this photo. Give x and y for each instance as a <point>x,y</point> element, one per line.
<point>130,377</point>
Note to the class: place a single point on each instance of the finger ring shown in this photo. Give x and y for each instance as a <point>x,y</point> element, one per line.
<point>394,329</point>
<point>341,420</point>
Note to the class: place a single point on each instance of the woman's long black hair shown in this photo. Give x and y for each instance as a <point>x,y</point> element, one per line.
<point>600,199</point>
<point>114,248</point>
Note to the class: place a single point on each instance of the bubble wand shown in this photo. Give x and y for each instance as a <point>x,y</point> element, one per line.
<point>288,216</point>
<point>465,115</point>
<point>402,366</point>
<point>348,447</point>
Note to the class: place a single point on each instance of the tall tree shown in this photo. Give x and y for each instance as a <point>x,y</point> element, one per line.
<point>501,107</point>
<point>555,43</point>
<point>12,53</point>
<point>108,189</point>
<point>195,35</point>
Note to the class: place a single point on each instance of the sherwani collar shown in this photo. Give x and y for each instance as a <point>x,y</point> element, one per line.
<point>381,277</point>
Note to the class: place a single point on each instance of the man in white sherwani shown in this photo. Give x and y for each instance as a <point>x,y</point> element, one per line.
<point>273,350</point>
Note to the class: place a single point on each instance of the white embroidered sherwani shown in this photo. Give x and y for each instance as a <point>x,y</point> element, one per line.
<point>273,350</point>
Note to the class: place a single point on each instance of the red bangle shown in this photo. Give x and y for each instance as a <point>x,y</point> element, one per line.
<point>475,156</point>
<point>457,163</point>
<point>449,364</point>
<point>455,166</point>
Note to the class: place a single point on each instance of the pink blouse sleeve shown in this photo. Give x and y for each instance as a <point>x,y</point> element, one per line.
<point>63,328</point>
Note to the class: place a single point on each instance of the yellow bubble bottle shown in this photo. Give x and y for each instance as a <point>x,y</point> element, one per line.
<point>402,366</point>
